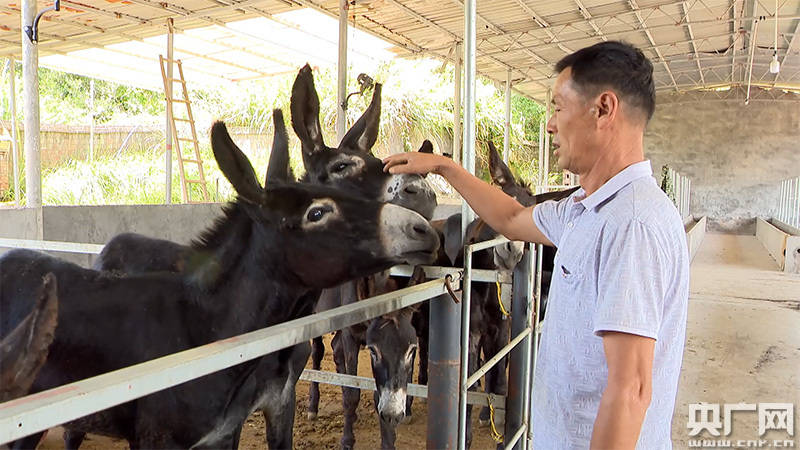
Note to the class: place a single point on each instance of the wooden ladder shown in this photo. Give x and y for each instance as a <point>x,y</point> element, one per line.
<point>179,139</point>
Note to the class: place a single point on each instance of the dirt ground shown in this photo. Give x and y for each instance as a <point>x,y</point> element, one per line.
<point>322,433</point>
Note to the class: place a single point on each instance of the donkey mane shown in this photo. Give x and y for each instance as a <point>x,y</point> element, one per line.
<point>219,233</point>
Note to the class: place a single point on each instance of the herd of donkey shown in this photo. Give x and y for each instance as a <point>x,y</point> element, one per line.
<point>280,251</point>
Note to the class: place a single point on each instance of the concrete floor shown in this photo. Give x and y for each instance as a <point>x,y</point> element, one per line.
<point>743,337</point>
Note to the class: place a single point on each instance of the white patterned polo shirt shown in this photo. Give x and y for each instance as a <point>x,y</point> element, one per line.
<point>622,265</point>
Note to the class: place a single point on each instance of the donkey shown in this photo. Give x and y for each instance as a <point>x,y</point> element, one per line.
<point>502,176</point>
<point>24,351</point>
<point>264,262</point>
<point>352,166</point>
<point>135,254</point>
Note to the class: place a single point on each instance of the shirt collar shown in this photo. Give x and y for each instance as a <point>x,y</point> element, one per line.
<point>612,186</point>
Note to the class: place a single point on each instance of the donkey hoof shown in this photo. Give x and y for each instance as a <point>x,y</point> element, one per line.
<point>406,420</point>
<point>312,415</point>
<point>483,422</point>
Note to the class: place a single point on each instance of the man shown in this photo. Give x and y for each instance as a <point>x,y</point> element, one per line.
<point>612,344</point>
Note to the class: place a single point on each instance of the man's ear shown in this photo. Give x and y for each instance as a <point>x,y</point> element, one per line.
<point>606,108</point>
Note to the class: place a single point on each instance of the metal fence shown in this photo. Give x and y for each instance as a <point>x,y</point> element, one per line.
<point>678,188</point>
<point>789,206</point>
<point>43,410</point>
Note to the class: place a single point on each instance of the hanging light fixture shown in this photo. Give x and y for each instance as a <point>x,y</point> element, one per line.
<point>775,65</point>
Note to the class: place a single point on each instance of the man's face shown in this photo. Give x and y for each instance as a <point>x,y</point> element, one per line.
<point>572,125</point>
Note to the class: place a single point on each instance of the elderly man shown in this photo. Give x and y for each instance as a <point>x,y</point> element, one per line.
<point>612,345</point>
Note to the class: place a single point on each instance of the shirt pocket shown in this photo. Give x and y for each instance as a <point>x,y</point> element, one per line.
<point>569,267</point>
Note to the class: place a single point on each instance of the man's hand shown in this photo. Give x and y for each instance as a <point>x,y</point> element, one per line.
<point>416,162</point>
<point>628,392</point>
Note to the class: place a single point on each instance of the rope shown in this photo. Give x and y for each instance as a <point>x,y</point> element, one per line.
<point>500,301</point>
<point>496,436</point>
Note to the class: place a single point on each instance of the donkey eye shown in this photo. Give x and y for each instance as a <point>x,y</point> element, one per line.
<point>315,214</point>
<point>340,166</point>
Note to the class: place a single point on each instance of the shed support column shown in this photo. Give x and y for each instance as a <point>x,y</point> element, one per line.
<point>168,131</point>
<point>445,328</point>
<point>468,162</point>
<point>507,130</point>
<point>341,117</point>
<point>459,68</point>
<point>546,162</point>
<point>12,103</point>
<point>30,83</point>
<point>519,359</point>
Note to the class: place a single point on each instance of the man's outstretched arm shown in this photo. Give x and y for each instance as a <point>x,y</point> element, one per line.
<point>504,214</point>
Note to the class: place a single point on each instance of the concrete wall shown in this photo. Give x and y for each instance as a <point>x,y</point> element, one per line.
<point>735,155</point>
<point>98,224</point>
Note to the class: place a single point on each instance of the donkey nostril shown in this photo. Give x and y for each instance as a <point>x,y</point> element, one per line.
<point>419,229</point>
<point>411,190</point>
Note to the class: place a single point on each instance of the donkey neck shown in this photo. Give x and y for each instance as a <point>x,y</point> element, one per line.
<point>239,278</point>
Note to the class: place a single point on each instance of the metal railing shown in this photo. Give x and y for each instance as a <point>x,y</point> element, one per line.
<point>520,364</point>
<point>38,412</point>
<point>678,188</point>
<point>34,413</point>
<point>789,205</point>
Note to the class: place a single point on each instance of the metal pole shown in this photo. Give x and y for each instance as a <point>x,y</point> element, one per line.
<point>547,114</point>
<point>517,361</point>
<point>535,343</point>
<point>341,118</point>
<point>459,68</point>
<point>443,373</point>
<point>507,131</point>
<point>466,298</point>
<point>12,103</point>
<point>91,119</point>
<point>168,132</point>
<point>468,160</point>
<point>542,180</point>
<point>30,83</point>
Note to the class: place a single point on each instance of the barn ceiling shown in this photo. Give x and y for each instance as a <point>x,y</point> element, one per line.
<point>694,44</point>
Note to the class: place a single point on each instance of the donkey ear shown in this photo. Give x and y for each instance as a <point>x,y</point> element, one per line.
<point>305,113</point>
<point>363,134</point>
<point>279,169</point>
<point>426,147</point>
<point>501,174</point>
<point>452,237</point>
<point>234,164</point>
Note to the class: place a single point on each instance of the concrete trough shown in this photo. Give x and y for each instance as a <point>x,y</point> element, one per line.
<point>782,241</point>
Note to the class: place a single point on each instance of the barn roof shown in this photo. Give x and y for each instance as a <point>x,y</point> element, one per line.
<point>694,44</point>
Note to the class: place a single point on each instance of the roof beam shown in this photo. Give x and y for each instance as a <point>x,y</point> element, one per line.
<point>430,23</point>
<point>792,42</point>
<point>734,37</point>
<point>590,20</point>
<point>638,15</point>
<point>543,25</point>
<point>685,8</point>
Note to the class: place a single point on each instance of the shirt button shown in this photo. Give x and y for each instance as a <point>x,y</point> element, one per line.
<point>569,224</point>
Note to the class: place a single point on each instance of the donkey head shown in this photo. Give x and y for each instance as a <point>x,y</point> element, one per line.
<point>351,165</point>
<point>502,176</point>
<point>317,234</point>
<point>392,343</point>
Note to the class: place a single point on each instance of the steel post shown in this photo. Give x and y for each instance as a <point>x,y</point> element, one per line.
<point>517,367</point>
<point>30,83</point>
<point>12,103</point>
<point>168,130</point>
<point>466,298</point>
<point>459,68</point>
<point>443,373</point>
<point>507,128</point>
<point>341,115</point>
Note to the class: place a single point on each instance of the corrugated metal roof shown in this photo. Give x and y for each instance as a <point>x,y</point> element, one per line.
<point>694,44</point>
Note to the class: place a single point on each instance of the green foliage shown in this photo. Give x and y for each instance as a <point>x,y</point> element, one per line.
<point>417,104</point>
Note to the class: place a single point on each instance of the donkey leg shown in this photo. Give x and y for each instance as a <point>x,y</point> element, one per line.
<point>73,439</point>
<point>27,442</point>
<point>317,353</point>
<point>279,412</point>
<point>352,396</point>
<point>409,399</point>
